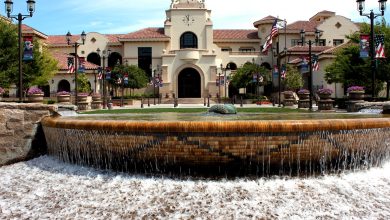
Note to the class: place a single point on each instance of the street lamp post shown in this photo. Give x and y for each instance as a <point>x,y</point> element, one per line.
<point>20,18</point>
<point>224,76</point>
<point>219,85</point>
<point>104,74</point>
<point>372,16</point>
<point>75,45</point>
<point>310,81</point>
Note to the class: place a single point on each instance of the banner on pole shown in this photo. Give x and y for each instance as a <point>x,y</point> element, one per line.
<point>364,46</point>
<point>81,64</point>
<point>28,48</point>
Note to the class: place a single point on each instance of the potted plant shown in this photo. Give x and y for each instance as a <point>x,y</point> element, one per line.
<point>288,94</point>
<point>63,97</point>
<point>96,97</point>
<point>35,95</point>
<point>324,93</point>
<point>1,93</point>
<point>82,97</point>
<point>303,94</point>
<point>355,92</point>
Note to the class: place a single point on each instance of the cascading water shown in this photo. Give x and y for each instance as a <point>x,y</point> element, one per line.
<point>260,148</point>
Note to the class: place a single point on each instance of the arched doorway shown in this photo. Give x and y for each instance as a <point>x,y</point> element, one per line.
<point>189,84</point>
<point>94,58</point>
<point>114,59</point>
<point>63,85</point>
<point>46,90</point>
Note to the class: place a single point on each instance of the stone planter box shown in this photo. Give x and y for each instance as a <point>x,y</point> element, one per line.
<point>82,98</point>
<point>63,98</point>
<point>357,95</point>
<point>303,96</point>
<point>324,96</point>
<point>325,105</point>
<point>35,98</point>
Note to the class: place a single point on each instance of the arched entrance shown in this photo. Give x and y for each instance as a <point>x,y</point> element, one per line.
<point>189,84</point>
<point>94,58</point>
<point>63,85</point>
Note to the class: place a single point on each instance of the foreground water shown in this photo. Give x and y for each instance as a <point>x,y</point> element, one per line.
<point>45,188</point>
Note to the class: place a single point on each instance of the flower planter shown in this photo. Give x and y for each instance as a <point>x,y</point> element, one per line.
<point>303,96</point>
<point>63,98</point>
<point>82,98</point>
<point>356,95</point>
<point>96,98</point>
<point>35,98</point>
<point>324,96</point>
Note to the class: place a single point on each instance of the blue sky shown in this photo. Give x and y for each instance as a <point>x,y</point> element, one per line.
<point>55,17</point>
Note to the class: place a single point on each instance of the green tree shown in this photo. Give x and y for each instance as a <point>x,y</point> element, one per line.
<point>293,78</point>
<point>8,53</point>
<point>35,72</point>
<point>41,69</point>
<point>243,78</point>
<point>349,69</point>
<point>137,76</point>
<point>82,83</point>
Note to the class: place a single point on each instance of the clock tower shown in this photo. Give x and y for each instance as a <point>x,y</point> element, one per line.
<point>190,64</point>
<point>189,16</point>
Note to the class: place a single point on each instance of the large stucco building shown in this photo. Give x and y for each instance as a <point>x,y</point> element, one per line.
<point>188,52</point>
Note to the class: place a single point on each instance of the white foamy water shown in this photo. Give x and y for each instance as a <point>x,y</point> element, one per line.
<point>45,188</point>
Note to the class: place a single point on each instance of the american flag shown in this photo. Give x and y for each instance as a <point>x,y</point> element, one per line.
<point>316,64</point>
<point>100,73</point>
<point>268,40</point>
<point>284,72</point>
<point>380,46</point>
<point>70,65</point>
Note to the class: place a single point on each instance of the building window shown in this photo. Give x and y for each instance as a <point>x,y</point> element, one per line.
<point>247,49</point>
<point>226,49</point>
<point>321,42</point>
<point>295,42</point>
<point>145,59</point>
<point>337,42</point>
<point>188,40</point>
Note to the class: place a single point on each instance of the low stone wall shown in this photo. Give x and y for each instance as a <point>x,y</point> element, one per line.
<point>21,135</point>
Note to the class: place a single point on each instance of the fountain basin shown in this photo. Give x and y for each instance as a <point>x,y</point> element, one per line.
<point>261,147</point>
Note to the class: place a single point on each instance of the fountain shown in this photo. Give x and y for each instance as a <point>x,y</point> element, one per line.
<point>223,146</point>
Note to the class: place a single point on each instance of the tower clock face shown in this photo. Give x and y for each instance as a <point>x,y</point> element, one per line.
<point>188,20</point>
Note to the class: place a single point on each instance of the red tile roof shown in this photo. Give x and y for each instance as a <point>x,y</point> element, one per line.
<point>308,26</point>
<point>266,20</point>
<point>147,33</point>
<point>302,49</point>
<point>61,39</point>
<point>235,35</point>
<point>63,61</point>
<point>29,30</point>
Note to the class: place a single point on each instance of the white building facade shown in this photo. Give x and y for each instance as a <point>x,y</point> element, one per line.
<point>189,55</point>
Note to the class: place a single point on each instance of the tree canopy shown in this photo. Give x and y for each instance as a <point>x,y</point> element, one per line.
<point>35,73</point>
<point>293,78</point>
<point>8,53</point>
<point>244,75</point>
<point>137,77</point>
<point>350,69</point>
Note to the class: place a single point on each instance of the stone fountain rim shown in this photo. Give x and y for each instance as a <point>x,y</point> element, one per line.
<point>288,126</point>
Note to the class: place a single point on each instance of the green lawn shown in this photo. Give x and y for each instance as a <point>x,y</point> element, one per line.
<point>193,110</point>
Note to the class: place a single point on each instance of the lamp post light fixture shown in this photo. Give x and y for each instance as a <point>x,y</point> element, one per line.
<point>75,45</point>
<point>20,17</point>
<point>310,80</point>
<point>103,56</point>
<point>372,16</point>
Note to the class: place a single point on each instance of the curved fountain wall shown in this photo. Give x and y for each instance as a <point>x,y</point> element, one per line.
<point>237,147</point>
